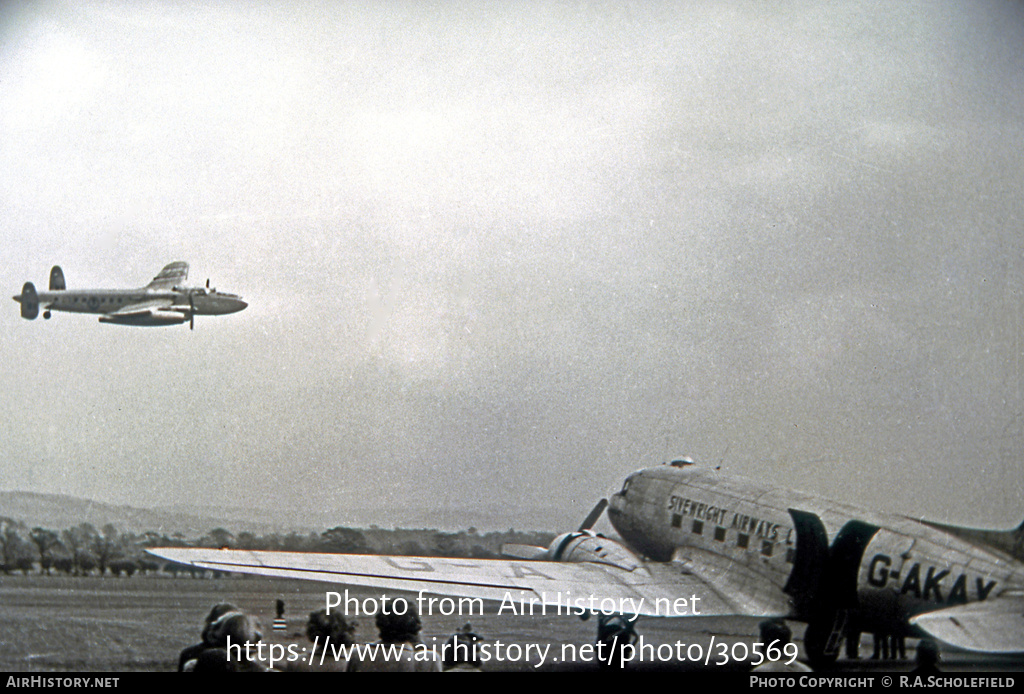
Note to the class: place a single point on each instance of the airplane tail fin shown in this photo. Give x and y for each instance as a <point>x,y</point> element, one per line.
<point>29,301</point>
<point>57,279</point>
<point>1009,541</point>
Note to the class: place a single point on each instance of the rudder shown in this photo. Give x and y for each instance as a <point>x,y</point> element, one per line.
<point>57,279</point>
<point>29,301</point>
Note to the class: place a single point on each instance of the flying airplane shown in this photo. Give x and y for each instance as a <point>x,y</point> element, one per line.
<point>739,547</point>
<point>164,301</point>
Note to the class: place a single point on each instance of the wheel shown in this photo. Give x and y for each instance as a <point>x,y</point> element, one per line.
<point>815,642</point>
<point>614,632</point>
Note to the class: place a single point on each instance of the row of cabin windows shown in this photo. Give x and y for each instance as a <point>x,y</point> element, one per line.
<point>742,539</point>
<point>103,300</point>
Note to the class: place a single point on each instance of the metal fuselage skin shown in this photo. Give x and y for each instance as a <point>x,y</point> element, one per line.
<point>880,569</point>
<point>204,302</point>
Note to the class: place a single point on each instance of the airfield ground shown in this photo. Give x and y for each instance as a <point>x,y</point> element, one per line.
<point>64,624</point>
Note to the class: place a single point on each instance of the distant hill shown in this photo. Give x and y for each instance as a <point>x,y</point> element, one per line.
<point>59,511</point>
<point>407,517</point>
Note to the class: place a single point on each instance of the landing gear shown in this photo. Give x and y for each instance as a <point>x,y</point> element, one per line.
<point>46,315</point>
<point>613,632</point>
<point>821,642</point>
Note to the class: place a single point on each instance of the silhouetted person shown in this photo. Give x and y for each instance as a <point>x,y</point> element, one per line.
<point>333,627</point>
<point>192,652</point>
<point>898,647</point>
<point>400,648</point>
<point>881,645</point>
<point>461,652</point>
<point>927,658</point>
<point>330,631</point>
<point>226,640</point>
<point>775,634</point>
<point>852,636</point>
<point>327,633</point>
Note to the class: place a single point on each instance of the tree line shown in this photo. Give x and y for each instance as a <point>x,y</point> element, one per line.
<point>84,550</point>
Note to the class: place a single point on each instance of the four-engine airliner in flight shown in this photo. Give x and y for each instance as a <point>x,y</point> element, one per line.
<point>738,546</point>
<point>164,301</point>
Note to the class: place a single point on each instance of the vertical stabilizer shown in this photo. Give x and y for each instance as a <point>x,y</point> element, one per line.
<point>57,279</point>
<point>29,301</point>
<point>1009,541</point>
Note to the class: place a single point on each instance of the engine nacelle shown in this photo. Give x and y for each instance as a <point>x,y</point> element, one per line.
<point>155,318</point>
<point>588,546</point>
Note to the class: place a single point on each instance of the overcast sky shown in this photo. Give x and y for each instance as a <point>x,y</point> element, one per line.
<point>498,255</point>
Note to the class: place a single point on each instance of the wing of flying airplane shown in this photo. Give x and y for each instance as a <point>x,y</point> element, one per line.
<point>159,311</point>
<point>172,275</point>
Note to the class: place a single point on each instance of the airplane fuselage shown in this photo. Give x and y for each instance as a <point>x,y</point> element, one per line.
<point>205,302</point>
<point>878,569</point>
<point>164,301</point>
<point>696,538</point>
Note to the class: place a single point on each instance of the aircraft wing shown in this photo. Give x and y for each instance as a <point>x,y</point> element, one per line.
<point>990,626</point>
<point>172,275</point>
<point>140,309</point>
<point>651,590</point>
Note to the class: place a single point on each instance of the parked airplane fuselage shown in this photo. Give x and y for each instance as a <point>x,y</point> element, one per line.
<point>877,570</point>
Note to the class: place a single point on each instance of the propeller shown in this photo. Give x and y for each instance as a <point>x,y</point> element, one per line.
<point>532,552</point>
<point>191,313</point>
<point>595,514</point>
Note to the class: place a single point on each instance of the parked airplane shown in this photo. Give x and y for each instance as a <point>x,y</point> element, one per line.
<point>164,301</point>
<point>738,547</point>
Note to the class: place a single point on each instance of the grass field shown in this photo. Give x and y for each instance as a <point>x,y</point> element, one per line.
<point>64,624</point>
